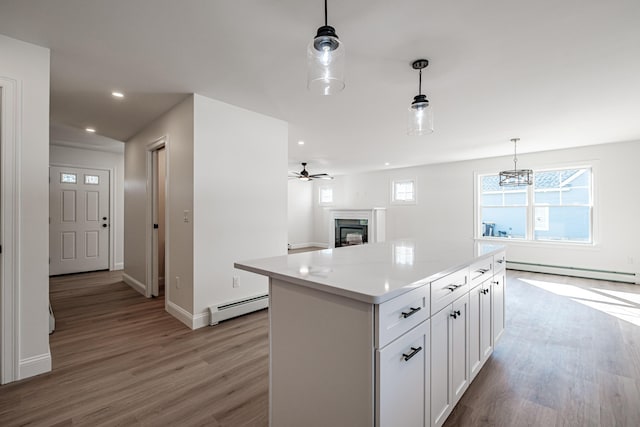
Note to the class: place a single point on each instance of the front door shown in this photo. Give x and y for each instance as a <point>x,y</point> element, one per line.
<point>79,221</point>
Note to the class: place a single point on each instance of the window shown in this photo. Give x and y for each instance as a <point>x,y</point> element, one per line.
<point>68,178</point>
<point>557,207</point>
<point>326,195</point>
<point>403,191</point>
<point>91,179</point>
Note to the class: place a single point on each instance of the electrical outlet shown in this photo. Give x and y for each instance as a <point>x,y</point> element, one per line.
<point>178,284</point>
<point>236,282</point>
<point>185,216</point>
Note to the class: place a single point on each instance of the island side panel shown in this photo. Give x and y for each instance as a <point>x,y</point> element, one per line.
<point>321,358</point>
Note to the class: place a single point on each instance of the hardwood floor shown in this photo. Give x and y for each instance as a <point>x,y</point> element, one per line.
<point>120,359</point>
<point>570,356</point>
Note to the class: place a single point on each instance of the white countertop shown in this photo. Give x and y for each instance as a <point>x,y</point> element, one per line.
<point>375,272</point>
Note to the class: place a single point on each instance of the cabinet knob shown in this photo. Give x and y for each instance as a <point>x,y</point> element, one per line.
<point>414,351</point>
<point>455,314</point>
<point>484,291</point>
<point>496,282</point>
<point>412,312</point>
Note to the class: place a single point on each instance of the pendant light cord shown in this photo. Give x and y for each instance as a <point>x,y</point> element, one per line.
<point>325,14</point>
<point>420,83</point>
<point>515,156</point>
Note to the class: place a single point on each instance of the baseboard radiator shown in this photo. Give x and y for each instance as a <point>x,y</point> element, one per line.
<point>220,312</point>
<point>589,273</point>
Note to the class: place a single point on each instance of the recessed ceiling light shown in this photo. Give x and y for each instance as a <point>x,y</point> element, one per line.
<point>90,130</point>
<point>301,142</point>
<point>117,94</point>
<point>387,163</point>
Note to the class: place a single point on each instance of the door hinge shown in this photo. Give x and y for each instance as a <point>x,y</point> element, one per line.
<point>155,226</point>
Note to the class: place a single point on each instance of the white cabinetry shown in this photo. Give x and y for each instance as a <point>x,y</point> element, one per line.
<point>480,338</point>
<point>449,358</point>
<point>498,306</point>
<point>402,389</point>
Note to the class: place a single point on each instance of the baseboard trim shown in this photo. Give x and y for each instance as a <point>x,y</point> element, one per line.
<point>134,283</point>
<point>181,314</point>
<point>613,276</point>
<point>35,365</point>
<point>201,320</point>
<point>118,266</point>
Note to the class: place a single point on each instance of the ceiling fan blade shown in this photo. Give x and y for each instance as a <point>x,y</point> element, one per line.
<point>321,176</point>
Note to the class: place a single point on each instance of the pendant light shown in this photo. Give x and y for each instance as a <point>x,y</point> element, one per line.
<point>420,112</point>
<point>516,177</point>
<point>325,61</point>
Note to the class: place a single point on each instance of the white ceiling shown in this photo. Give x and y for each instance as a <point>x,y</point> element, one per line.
<point>554,73</point>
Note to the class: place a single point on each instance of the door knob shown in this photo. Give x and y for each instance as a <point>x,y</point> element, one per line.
<point>104,225</point>
<point>104,218</point>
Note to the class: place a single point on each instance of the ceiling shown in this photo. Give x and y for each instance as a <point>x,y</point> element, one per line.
<point>554,73</point>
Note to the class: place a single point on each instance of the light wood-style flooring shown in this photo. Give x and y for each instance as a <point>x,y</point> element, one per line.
<point>570,356</point>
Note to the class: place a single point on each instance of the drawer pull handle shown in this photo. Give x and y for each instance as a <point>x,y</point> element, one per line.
<point>500,261</point>
<point>482,270</point>
<point>455,314</point>
<point>414,351</point>
<point>412,312</point>
<point>454,287</point>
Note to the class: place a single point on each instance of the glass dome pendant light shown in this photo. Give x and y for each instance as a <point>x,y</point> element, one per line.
<point>420,112</point>
<point>325,61</point>
<point>516,177</point>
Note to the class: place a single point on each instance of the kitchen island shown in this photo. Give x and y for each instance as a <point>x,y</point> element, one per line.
<point>383,334</point>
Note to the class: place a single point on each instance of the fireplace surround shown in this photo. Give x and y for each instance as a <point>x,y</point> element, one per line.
<point>349,227</point>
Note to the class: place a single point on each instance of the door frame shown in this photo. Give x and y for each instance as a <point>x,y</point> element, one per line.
<point>112,208</point>
<point>151,235</point>
<point>10,116</point>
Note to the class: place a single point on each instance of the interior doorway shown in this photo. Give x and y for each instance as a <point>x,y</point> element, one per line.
<point>159,171</point>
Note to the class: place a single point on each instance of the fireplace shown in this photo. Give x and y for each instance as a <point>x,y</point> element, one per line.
<point>351,232</point>
<point>350,227</point>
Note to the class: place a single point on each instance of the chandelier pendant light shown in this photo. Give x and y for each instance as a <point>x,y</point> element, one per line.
<point>516,177</point>
<point>325,61</point>
<point>420,112</point>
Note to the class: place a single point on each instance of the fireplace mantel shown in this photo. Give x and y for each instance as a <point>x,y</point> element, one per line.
<point>374,216</point>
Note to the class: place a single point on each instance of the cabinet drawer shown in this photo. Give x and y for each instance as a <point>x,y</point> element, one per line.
<point>499,262</point>
<point>397,316</point>
<point>481,271</point>
<point>445,290</point>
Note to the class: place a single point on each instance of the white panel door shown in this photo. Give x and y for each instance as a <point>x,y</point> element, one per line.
<point>79,220</point>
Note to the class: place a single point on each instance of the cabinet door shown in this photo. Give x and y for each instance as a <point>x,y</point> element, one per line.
<point>460,347</point>
<point>498,293</point>
<point>486,303</point>
<point>475,329</point>
<point>402,389</point>
<point>440,366</point>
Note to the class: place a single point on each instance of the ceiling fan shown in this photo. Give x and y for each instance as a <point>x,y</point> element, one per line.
<point>303,175</point>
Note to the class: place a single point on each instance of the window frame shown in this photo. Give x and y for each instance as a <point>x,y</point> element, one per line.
<point>395,201</point>
<point>320,190</point>
<point>529,238</point>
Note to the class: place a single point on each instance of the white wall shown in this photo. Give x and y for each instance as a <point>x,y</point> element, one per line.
<point>300,199</point>
<point>240,199</point>
<point>26,68</point>
<point>60,153</point>
<point>445,208</point>
<point>177,127</point>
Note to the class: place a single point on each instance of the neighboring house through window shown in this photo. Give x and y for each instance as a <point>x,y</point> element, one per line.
<point>557,207</point>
